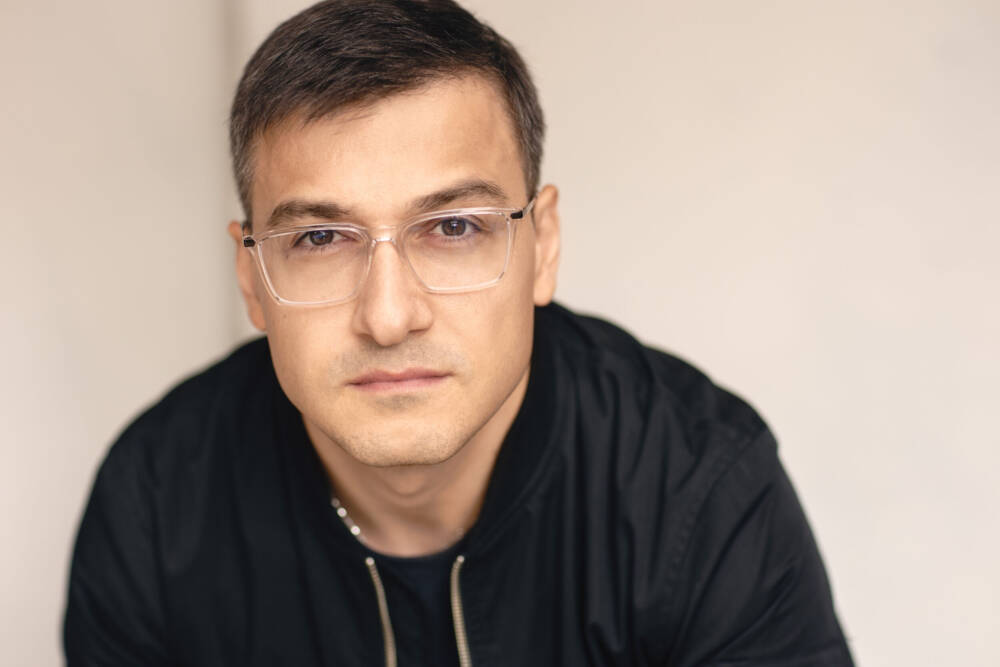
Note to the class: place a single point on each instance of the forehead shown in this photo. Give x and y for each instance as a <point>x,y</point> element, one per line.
<point>378,158</point>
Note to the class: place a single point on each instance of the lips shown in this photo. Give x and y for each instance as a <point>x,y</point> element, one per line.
<point>411,378</point>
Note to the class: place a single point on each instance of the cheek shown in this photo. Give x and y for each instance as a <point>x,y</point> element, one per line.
<point>302,342</point>
<point>504,327</point>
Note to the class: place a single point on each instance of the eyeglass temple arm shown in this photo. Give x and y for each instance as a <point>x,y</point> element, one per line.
<point>248,242</point>
<point>517,215</point>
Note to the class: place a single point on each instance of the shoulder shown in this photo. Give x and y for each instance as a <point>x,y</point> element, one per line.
<point>717,537</point>
<point>217,388</point>
<point>147,506</point>
<point>199,413</point>
<point>648,383</point>
<point>658,426</point>
<point>675,446</point>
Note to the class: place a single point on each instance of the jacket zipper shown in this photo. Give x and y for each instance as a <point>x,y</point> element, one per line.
<point>458,616</point>
<point>388,639</point>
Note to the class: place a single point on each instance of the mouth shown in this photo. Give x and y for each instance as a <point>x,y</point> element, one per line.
<point>410,379</point>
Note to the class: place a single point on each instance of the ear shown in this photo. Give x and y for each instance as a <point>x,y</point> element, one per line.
<point>246,275</point>
<point>545,215</point>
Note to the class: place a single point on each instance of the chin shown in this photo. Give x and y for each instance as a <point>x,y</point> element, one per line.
<point>393,450</point>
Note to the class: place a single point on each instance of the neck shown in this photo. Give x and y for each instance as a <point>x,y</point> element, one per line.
<point>419,509</point>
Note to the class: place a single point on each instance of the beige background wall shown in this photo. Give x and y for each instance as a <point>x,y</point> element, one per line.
<point>800,197</point>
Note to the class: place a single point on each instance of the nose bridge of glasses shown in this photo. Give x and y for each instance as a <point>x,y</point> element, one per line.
<point>387,235</point>
<point>384,235</point>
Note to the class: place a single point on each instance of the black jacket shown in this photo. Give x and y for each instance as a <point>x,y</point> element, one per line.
<point>637,515</point>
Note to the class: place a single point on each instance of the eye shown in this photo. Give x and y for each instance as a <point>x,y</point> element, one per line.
<point>454,226</point>
<point>315,238</point>
<point>319,236</point>
<point>453,230</point>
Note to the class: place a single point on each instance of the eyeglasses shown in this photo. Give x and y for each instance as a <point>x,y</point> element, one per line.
<point>459,250</point>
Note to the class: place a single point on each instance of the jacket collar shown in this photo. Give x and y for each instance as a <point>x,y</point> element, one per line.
<point>525,459</point>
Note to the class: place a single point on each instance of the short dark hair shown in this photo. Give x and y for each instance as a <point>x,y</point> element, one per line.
<point>343,53</point>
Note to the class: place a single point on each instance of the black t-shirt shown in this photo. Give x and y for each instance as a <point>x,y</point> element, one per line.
<point>418,597</point>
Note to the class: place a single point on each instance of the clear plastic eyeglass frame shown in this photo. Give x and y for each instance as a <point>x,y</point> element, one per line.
<point>252,243</point>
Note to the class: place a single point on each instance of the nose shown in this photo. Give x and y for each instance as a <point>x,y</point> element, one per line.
<point>391,304</point>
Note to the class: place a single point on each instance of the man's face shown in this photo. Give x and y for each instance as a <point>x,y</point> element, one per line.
<point>466,355</point>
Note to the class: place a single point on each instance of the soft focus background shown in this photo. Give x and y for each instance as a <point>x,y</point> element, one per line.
<point>800,197</point>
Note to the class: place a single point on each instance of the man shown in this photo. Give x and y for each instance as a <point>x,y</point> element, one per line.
<point>427,463</point>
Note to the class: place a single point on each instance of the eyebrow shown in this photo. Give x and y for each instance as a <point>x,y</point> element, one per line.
<point>468,188</point>
<point>295,209</point>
